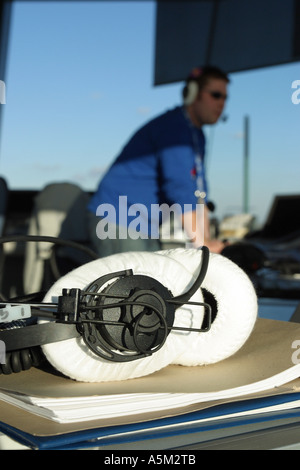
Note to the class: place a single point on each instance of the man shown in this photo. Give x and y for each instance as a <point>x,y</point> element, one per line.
<point>159,170</point>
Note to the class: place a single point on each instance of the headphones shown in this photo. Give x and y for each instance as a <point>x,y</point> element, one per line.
<point>121,316</point>
<point>190,92</point>
<point>191,89</point>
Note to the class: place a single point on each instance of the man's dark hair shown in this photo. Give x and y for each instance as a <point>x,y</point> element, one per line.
<point>202,74</point>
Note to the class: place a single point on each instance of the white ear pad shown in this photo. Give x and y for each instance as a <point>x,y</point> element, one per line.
<point>73,357</point>
<point>192,90</point>
<point>236,308</point>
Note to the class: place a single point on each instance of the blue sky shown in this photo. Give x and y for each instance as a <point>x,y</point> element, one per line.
<point>80,81</point>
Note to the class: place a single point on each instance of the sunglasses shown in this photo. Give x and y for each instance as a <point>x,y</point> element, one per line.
<point>217,95</point>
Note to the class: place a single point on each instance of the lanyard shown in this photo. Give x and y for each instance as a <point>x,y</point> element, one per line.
<point>201,189</point>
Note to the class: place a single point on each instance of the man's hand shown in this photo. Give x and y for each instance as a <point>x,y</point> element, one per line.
<point>196,226</point>
<point>215,246</point>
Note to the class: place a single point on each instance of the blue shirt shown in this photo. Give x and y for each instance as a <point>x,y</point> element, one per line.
<point>162,163</point>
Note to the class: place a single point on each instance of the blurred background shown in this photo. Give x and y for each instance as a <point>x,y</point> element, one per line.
<point>82,76</point>
<point>79,77</point>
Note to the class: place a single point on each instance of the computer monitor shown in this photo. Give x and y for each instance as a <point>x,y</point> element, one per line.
<point>284,216</point>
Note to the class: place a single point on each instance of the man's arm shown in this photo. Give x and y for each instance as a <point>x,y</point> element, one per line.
<point>196,227</point>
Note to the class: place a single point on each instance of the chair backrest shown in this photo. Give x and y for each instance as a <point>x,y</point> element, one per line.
<point>59,211</point>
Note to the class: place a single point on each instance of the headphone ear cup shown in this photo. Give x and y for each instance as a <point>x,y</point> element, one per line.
<point>190,92</point>
<point>234,303</point>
